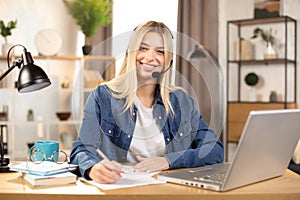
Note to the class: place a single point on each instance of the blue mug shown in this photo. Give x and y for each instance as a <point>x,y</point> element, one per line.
<point>44,151</point>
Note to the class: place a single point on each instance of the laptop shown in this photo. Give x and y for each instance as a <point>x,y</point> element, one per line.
<point>264,151</point>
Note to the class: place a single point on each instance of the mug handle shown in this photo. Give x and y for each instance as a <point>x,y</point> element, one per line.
<point>56,153</point>
<point>32,149</point>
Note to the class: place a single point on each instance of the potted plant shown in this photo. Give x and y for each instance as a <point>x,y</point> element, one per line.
<point>30,115</point>
<point>89,16</point>
<point>273,96</point>
<point>5,31</point>
<point>269,39</point>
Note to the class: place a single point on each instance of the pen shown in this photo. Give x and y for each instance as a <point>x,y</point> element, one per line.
<point>101,154</point>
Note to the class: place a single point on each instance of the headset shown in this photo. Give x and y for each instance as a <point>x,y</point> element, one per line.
<point>157,74</point>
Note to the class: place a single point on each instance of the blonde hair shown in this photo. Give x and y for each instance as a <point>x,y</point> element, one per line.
<point>124,85</point>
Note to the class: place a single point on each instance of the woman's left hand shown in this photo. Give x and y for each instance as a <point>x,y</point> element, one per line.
<point>151,164</point>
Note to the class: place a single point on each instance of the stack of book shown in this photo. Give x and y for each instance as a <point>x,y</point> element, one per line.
<point>49,180</point>
<point>46,173</point>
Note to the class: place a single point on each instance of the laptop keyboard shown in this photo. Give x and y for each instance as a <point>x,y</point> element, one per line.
<point>213,178</point>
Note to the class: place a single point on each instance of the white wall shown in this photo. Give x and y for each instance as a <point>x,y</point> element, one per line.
<point>34,15</point>
<point>130,13</point>
<point>236,9</point>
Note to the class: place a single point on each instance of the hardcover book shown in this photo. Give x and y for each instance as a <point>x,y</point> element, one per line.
<point>50,180</point>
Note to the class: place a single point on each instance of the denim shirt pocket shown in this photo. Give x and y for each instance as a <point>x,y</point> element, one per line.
<point>110,129</point>
<point>182,132</point>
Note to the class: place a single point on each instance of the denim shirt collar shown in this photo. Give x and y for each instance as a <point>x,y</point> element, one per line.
<point>158,98</point>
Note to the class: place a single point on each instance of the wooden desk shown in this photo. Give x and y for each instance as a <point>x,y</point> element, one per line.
<point>285,187</point>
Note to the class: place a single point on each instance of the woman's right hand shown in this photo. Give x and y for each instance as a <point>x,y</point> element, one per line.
<point>106,172</point>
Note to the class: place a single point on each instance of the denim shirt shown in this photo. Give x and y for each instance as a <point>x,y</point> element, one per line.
<point>189,141</point>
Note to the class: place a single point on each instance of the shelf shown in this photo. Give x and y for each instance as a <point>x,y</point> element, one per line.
<point>49,57</point>
<point>45,122</point>
<point>238,106</point>
<point>4,122</point>
<point>70,57</point>
<point>292,104</point>
<point>245,22</point>
<point>263,61</point>
<point>66,57</point>
<point>99,58</point>
<point>64,122</point>
<point>45,103</point>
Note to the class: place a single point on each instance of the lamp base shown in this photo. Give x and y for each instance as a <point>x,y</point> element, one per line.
<point>4,165</point>
<point>4,169</point>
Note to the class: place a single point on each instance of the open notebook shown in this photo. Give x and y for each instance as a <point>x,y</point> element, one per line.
<point>45,168</point>
<point>264,151</point>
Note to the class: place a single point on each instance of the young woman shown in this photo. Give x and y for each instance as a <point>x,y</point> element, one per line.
<point>140,117</point>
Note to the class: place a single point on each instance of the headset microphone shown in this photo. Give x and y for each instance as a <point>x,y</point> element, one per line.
<point>157,74</point>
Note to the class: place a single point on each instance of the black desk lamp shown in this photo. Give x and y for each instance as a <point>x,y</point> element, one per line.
<point>31,78</point>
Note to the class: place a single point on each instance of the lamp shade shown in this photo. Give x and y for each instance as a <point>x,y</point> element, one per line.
<point>196,53</point>
<point>31,78</point>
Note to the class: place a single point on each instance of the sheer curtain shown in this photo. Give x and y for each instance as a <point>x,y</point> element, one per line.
<point>198,19</point>
<point>101,35</point>
<point>102,46</point>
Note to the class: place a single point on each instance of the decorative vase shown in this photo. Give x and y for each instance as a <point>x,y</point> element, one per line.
<point>247,50</point>
<point>273,96</point>
<point>5,49</point>
<point>30,115</point>
<point>270,52</point>
<point>86,49</point>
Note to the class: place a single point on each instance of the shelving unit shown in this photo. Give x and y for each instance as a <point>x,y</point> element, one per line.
<point>238,106</point>
<point>46,102</point>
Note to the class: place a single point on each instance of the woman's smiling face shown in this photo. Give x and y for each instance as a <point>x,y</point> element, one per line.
<point>151,55</point>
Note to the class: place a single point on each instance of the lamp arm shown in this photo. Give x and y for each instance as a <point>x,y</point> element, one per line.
<point>16,63</point>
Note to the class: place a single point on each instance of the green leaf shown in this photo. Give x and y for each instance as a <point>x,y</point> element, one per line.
<point>6,29</point>
<point>266,36</point>
<point>90,14</point>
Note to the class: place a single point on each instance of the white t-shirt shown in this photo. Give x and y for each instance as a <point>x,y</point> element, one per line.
<point>148,140</point>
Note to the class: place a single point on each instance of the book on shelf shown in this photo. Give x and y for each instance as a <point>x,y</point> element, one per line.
<point>50,180</point>
<point>45,168</point>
